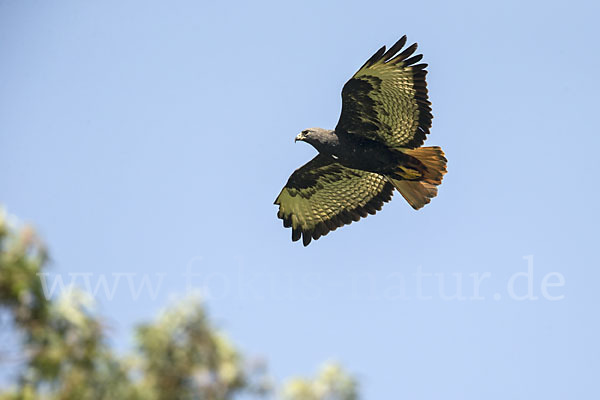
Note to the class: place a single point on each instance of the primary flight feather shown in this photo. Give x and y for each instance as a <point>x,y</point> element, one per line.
<point>373,150</point>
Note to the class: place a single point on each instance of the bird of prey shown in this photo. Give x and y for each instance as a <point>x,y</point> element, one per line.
<point>374,149</point>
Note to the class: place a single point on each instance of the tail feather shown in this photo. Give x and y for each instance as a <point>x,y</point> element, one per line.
<point>416,193</point>
<point>420,192</point>
<point>433,159</point>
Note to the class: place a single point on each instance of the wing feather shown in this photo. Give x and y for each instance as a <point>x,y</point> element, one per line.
<point>394,49</point>
<point>387,100</point>
<point>323,195</point>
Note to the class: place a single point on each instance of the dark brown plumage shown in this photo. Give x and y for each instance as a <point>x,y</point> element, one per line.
<point>386,116</point>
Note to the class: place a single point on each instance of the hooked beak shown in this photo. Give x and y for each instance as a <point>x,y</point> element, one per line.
<point>300,137</point>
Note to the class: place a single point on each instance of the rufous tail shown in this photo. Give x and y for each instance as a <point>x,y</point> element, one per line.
<point>420,191</point>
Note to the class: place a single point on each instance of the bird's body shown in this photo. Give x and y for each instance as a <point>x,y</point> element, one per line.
<point>353,151</point>
<point>373,150</point>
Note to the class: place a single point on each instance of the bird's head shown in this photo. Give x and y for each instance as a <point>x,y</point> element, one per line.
<point>313,135</point>
<point>303,136</point>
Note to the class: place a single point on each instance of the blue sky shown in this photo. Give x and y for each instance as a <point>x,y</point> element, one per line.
<point>152,138</point>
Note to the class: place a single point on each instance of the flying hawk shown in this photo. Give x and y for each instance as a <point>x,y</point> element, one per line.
<point>374,149</point>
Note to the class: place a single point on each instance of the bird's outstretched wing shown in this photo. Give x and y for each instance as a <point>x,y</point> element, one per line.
<point>386,100</point>
<point>323,195</point>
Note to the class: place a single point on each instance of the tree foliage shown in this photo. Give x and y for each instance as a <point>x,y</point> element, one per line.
<point>331,383</point>
<point>65,353</point>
